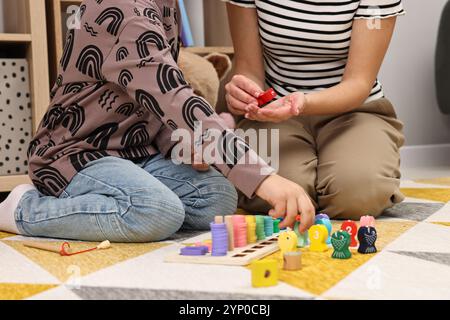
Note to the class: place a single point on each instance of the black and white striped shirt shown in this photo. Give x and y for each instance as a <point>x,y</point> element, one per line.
<point>306,42</point>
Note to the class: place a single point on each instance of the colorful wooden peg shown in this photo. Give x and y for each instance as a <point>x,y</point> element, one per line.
<point>264,273</point>
<point>367,237</point>
<point>340,241</point>
<point>367,221</point>
<point>352,229</point>
<point>287,241</point>
<point>317,236</point>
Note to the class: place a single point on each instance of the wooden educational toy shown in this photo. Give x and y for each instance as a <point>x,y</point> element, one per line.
<point>367,237</point>
<point>367,221</point>
<point>317,236</point>
<point>230,229</point>
<point>264,273</point>
<point>64,248</point>
<point>292,261</point>
<point>340,241</point>
<point>240,231</point>
<point>266,97</point>
<point>325,220</point>
<point>287,242</point>
<point>220,251</point>
<point>251,229</point>
<point>352,229</point>
<point>302,237</point>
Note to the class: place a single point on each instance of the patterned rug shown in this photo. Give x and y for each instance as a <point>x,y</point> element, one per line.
<point>413,262</point>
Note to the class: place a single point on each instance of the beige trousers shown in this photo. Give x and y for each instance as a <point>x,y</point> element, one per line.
<point>348,163</point>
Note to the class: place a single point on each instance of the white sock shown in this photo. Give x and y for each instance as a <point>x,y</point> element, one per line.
<point>9,206</point>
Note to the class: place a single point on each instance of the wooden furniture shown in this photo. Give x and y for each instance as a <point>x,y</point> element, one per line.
<point>29,42</point>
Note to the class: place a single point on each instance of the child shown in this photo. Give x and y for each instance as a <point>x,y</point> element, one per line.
<point>98,160</point>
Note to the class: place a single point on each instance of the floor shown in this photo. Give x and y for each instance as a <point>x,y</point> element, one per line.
<point>413,262</point>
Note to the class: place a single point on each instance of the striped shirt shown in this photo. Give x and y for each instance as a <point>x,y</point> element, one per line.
<point>306,42</point>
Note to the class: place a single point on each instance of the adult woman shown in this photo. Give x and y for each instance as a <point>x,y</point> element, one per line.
<point>98,160</point>
<point>339,136</point>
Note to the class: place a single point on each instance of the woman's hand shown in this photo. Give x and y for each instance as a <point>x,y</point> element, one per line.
<point>241,95</point>
<point>280,110</point>
<point>288,200</point>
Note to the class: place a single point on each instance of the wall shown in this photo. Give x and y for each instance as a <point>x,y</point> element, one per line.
<point>216,24</point>
<point>195,9</point>
<point>1,17</point>
<point>408,73</point>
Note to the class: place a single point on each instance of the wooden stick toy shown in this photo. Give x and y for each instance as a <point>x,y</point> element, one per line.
<point>63,249</point>
<point>230,229</point>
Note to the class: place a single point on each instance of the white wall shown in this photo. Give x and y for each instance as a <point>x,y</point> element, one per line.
<point>195,12</point>
<point>408,73</point>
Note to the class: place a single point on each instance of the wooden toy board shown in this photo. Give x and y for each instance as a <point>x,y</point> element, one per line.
<point>238,257</point>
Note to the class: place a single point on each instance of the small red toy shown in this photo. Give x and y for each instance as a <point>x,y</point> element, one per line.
<point>266,97</point>
<point>352,230</point>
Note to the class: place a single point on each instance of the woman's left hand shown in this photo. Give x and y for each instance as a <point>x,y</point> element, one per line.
<point>281,109</point>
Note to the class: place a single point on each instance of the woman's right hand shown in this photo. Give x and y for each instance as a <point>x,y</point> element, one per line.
<point>288,200</point>
<point>241,95</point>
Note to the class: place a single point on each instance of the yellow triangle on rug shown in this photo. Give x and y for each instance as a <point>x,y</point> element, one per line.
<point>435,194</point>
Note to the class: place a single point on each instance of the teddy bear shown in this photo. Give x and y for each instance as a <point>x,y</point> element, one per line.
<point>205,74</point>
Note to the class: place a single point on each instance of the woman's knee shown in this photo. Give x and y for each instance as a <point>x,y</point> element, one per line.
<point>151,217</point>
<point>352,195</point>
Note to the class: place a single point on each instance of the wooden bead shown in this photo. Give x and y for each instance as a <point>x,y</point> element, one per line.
<point>292,261</point>
<point>264,273</point>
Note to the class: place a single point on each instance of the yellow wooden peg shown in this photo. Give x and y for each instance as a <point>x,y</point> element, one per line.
<point>317,237</point>
<point>287,241</point>
<point>264,273</point>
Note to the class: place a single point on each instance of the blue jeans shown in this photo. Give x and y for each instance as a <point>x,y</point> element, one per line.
<point>123,201</point>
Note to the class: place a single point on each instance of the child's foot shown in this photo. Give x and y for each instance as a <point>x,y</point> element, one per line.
<point>8,208</point>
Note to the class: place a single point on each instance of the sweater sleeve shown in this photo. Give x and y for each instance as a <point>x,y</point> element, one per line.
<point>142,63</point>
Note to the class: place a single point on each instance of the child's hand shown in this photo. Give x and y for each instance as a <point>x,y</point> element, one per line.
<point>288,200</point>
<point>280,110</point>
